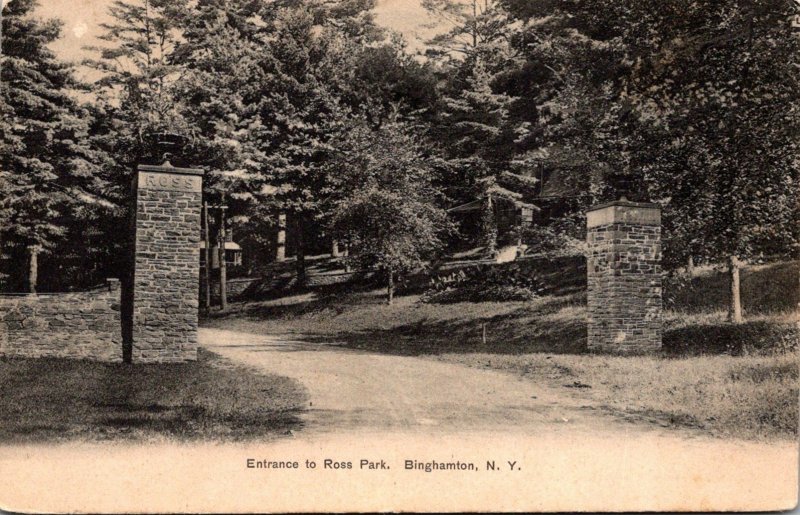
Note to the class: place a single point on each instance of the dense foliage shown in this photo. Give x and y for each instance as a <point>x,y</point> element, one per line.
<point>309,109</point>
<point>51,178</point>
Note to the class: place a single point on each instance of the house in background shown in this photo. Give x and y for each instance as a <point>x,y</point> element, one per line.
<point>509,215</point>
<point>233,252</point>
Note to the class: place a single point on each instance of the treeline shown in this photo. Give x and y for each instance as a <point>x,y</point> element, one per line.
<point>309,109</point>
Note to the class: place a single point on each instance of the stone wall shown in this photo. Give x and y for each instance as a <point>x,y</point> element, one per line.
<point>254,287</point>
<point>84,325</point>
<point>624,277</point>
<point>167,264</point>
<point>236,288</point>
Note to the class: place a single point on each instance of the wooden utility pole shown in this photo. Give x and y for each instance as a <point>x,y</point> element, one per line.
<point>223,294</point>
<point>390,288</point>
<point>207,256</point>
<point>300,253</point>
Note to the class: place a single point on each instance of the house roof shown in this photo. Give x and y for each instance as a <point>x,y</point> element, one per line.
<point>477,205</point>
<point>229,245</point>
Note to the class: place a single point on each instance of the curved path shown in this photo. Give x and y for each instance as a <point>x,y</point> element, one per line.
<point>354,390</point>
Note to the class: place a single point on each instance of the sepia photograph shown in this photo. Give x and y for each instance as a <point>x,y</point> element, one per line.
<point>291,256</point>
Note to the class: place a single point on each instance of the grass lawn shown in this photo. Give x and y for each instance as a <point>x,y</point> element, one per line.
<point>742,396</point>
<point>57,399</point>
<point>739,380</point>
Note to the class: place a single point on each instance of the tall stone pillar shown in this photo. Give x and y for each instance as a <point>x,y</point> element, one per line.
<point>624,277</point>
<point>166,275</point>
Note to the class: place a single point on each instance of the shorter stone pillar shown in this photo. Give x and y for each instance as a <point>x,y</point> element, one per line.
<point>624,277</point>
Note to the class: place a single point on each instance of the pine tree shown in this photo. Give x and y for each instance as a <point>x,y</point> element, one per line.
<point>265,87</point>
<point>47,169</point>
<point>137,87</point>
<point>481,135</point>
<point>479,29</point>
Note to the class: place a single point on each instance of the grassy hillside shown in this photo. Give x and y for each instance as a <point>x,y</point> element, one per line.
<point>767,288</point>
<point>555,322</point>
<point>732,379</point>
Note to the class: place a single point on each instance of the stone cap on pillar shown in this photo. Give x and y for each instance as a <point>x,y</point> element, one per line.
<point>623,212</point>
<point>166,167</point>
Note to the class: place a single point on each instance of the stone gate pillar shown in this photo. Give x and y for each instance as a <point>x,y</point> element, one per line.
<point>166,273</point>
<point>624,277</point>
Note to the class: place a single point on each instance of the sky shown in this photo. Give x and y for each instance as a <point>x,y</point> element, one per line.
<point>82,18</point>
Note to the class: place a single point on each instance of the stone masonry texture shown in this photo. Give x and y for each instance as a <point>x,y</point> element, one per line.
<point>167,266</point>
<point>624,278</point>
<point>83,325</point>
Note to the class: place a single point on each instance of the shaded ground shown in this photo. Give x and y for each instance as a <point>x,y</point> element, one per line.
<point>56,399</point>
<point>361,320</point>
<point>554,323</point>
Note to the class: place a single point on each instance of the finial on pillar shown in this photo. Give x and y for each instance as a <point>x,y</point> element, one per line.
<point>165,144</point>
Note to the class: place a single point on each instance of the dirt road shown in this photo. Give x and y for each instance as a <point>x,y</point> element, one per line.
<point>353,390</point>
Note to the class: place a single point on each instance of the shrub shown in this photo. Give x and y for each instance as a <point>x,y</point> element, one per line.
<point>759,337</point>
<point>484,284</point>
<point>549,240</point>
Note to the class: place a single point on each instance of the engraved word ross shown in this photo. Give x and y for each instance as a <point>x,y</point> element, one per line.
<point>172,182</point>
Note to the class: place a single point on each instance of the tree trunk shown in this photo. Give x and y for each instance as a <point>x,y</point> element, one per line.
<point>33,267</point>
<point>475,23</point>
<point>489,227</point>
<point>300,263</point>
<point>390,288</point>
<point>346,253</point>
<point>280,249</point>
<point>207,257</point>
<point>735,312</point>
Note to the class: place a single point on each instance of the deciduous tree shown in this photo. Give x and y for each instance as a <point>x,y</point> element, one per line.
<point>387,209</point>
